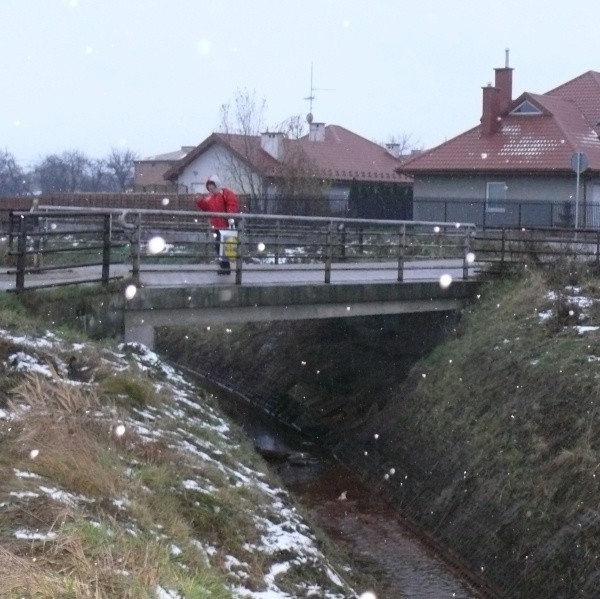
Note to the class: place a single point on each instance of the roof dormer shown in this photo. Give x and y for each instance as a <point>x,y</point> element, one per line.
<point>526,108</point>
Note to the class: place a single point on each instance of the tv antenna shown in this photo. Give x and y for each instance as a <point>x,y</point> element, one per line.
<point>311,97</point>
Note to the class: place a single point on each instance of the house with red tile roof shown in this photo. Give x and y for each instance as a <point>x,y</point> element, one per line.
<point>326,162</point>
<point>518,165</point>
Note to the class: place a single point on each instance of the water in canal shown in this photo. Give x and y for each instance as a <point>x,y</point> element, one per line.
<point>351,514</point>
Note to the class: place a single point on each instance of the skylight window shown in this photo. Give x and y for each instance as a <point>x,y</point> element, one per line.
<point>526,107</point>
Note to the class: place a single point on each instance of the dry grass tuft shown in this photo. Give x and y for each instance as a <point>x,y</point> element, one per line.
<point>129,391</point>
<point>76,455</point>
<point>71,446</point>
<point>44,395</point>
<point>19,575</point>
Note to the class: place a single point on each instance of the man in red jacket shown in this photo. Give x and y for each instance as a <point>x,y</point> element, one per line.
<point>220,199</point>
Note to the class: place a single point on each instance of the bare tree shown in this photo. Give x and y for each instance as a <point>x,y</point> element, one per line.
<point>294,127</point>
<point>242,123</point>
<point>402,145</point>
<point>78,165</point>
<point>13,180</point>
<point>299,178</point>
<point>120,164</point>
<point>52,174</point>
<point>98,178</point>
<point>68,172</point>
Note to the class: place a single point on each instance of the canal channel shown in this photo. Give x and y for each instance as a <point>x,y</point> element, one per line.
<point>347,510</point>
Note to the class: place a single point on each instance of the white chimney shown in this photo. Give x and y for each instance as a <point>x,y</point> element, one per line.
<point>272,143</point>
<point>317,132</point>
<point>394,149</point>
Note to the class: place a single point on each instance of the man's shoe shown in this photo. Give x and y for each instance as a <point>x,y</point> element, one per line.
<point>223,271</point>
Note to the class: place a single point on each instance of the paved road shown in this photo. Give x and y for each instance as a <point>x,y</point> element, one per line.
<point>253,274</point>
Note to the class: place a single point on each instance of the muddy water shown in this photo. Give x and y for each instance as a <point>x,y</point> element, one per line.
<point>354,515</point>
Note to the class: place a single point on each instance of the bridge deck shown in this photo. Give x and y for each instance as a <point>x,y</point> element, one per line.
<point>201,275</point>
<point>271,274</point>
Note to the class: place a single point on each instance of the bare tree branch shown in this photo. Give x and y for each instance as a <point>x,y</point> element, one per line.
<point>121,165</point>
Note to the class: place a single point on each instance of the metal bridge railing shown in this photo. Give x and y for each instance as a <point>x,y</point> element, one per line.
<point>55,238</point>
<point>497,248</point>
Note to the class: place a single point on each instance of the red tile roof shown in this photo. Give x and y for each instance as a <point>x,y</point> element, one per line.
<point>341,156</point>
<point>346,156</point>
<point>245,147</point>
<point>543,142</point>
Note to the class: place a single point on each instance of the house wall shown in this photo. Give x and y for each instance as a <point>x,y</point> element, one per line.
<point>216,161</point>
<point>150,174</point>
<point>519,188</point>
<point>530,200</point>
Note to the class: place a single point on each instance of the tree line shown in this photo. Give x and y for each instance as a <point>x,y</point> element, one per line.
<point>67,172</point>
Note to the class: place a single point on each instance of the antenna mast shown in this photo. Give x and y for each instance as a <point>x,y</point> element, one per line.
<point>311,97</point>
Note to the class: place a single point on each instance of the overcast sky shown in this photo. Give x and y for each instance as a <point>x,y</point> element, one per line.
<point>151,75</point>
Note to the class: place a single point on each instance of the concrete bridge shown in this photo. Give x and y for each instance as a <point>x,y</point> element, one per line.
<point>199,296</point>
<point>283,267</point>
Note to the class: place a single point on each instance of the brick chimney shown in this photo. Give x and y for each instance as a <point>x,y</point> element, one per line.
<point>490,114</point>
<point>496,99</point>
<point>503,84</point>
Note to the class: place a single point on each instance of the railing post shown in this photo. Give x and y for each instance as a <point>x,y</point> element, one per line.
<point>33,223</point>
<point>401,252</point>
<point>239,249</point>
<point>597,248</point>
<point>328,251</point>
<point>135,248</point>
<point>502,248</point>
<point>21,253</point>
<point>106,237</point>
<point>466,248</point>
<point>342,230</point>
<point>277,237</point>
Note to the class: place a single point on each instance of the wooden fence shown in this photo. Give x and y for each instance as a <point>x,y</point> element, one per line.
<point>133,201</point>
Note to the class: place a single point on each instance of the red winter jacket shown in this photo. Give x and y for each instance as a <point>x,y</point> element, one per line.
<point>223,200</point>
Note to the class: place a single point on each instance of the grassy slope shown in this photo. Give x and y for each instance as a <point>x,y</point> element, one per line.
<point>493,438</point>
<point>504,423</point>
<point>91,509</point>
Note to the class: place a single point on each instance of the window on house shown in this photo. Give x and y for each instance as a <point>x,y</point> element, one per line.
<point>495,197</point>
<point>526,107</point>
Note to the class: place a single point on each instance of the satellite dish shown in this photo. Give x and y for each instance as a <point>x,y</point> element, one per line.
<point>309,118</point>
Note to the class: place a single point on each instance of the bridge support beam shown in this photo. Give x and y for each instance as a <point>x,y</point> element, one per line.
<point>139,324</point>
